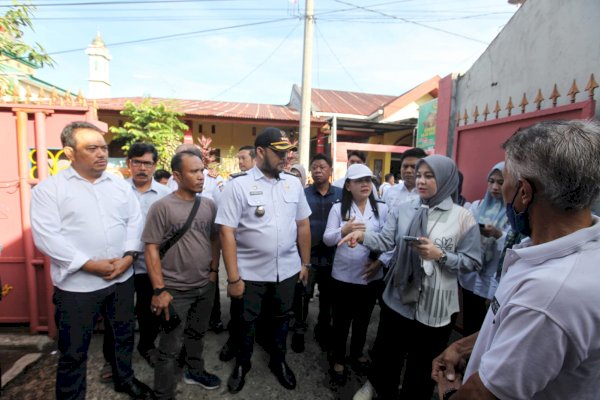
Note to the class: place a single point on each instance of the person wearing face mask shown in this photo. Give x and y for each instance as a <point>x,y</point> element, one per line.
<point>435,239</point>
<point>479,286</point>
<point>539,339</point>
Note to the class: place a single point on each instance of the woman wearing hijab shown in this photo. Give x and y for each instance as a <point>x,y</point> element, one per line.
<point>434,239</point>
<point>356,272</point>
<point>300,172</point>
<point>479,286</point>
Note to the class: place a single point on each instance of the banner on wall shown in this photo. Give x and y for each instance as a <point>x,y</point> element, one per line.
<point>426,125</point>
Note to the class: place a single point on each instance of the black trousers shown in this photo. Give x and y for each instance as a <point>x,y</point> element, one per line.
<point>474,311</point>
<point>148,322</point>
<point>397,338</point>
<point>353,305</point>
<point>320,275</point>
<point>215,312</point>
<point>75,316</point>
<point>278,297</point>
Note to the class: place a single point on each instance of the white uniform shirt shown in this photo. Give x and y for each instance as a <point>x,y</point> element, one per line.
<point>399,194</point>
<point>267,248</point>
<point>349,263</point>
<point>156,192</point>
<point>212,187</point>
<point>541,336</point>
<point>74,221</point>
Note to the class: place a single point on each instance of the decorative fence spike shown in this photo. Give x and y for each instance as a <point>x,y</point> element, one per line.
<point>486,112</point>
<point>475,114</point>
<point>466,116</point>
<point>573,91</point>
<point>497,109</point>
<point>80,98</point>
<point>591,86</point>
<point>1,95</point>
<point>509,106</point>
<point>53,96</point>
<point>523,103</point>
<point>538,100</point>
<point>554,95</point>
<point>27,95</point>
<point>15,93</point>
<point>458,118</point>
<point>68,98</point>
<point>41,96</point>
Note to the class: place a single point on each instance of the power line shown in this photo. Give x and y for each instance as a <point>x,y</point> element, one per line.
<point>95,3</point>
<point>259,65</point>
<point>176,35</point>
<point>337,58</point>
<point>413,22</point>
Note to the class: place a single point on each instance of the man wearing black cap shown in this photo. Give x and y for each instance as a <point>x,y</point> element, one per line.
<point>265,235</point>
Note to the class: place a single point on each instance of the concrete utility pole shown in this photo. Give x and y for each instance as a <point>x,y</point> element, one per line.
<point>304,142</point>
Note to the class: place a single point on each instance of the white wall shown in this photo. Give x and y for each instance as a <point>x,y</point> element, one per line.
<point>546,42</point>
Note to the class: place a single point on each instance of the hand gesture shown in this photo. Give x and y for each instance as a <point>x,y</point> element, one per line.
<point>448,365</point>
<point>490,230</point>
<point>120,266</point>
<point>353,239</point>
<point>102,268</point>
<point>160,304</point>
<point>371,269</point>
<point>352,226</point>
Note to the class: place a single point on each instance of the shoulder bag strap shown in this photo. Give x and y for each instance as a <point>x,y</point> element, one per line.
<point>165,246</point>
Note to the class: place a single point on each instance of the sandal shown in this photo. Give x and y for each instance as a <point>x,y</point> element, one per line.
<point>106,373</point>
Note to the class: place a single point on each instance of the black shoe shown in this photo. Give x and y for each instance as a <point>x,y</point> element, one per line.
<point>136,390</point>
<point>284,374</point>
<point>227,352</point>
<point>360,368</point>
<point>338,378</point>
<point>237,379</point>
<point>298,343</point>
<point>216,326</point>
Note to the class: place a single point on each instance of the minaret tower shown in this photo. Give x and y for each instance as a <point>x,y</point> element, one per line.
<point>99,80</point>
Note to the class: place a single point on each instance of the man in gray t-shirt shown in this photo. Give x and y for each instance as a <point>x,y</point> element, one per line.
<point>184,279</point>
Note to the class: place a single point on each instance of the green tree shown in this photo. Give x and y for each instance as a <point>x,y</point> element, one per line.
<point>12,26</point>
<point>158,124</point>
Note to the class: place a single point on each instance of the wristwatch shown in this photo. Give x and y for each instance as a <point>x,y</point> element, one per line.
<point>449,393</point>
<point>444,257</point>
<point>307,265</point>
<point>158,291</point>
<point>133,254</point>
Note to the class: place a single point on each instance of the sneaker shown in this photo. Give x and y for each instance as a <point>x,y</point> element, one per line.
<point>366,392</point>
<point>207,380</point>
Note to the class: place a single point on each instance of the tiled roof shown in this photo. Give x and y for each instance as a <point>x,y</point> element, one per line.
<point>341,102</point>
<point>205,108</point>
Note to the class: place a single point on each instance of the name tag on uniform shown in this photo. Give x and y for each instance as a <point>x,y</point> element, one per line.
<point>256,193</point>
<point>494,305</point>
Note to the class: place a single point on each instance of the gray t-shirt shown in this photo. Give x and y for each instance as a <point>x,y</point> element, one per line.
<point>187,263</point>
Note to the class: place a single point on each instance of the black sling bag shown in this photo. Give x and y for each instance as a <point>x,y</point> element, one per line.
<point>165,246</point>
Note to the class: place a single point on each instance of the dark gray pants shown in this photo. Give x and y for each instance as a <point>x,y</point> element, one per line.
<point>193,307</point>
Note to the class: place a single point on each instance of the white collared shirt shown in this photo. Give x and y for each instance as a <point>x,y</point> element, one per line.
<point>399,194</point>
<point>156,192</point>
<point>264,213</point>
<point>74,221</point>
<point>212,187</point>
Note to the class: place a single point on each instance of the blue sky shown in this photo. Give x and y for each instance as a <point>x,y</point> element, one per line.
<point>373,46</point>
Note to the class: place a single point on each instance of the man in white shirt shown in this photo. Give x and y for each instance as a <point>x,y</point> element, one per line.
<point>539,339</point>
<point>89,223</point>
<point>405,190</point>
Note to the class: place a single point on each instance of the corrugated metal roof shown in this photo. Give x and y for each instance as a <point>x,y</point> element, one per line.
<point>354,103</point>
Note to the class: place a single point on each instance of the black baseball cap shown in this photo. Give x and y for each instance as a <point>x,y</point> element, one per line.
<point>275,139</point>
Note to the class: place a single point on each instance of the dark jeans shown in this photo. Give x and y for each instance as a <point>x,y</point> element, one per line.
<point>474,311</point>
<point>215,312</point>
<point>321,275</point>
<point>279,296</point>
<point>148,322</point>
<point>193,307</point>
<point>75,316</point>
<point>353,304</point>
<point>234,327</point>
<point>399,337</point>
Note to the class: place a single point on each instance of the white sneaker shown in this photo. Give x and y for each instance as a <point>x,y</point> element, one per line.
<point>366,392</point>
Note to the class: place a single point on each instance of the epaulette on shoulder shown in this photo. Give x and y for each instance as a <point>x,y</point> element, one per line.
<point>289,173</point>
<point>337,201</point>
<point>380,201</point>
<point>237,175</point>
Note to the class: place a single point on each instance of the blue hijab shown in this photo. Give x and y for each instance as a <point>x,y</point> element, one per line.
<point>492,210</point>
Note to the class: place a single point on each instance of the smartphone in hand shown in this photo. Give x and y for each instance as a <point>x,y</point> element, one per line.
<point>173,322</point>
<point>412,239</point>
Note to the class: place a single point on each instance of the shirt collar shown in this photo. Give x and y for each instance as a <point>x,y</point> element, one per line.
<point>71,173</point>
<point>561,247</point>
<point>153,187</point>
<point>258,174</point>
<point>314,190</point>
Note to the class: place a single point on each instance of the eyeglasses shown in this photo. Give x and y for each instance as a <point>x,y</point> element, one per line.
<point>139,163</point>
